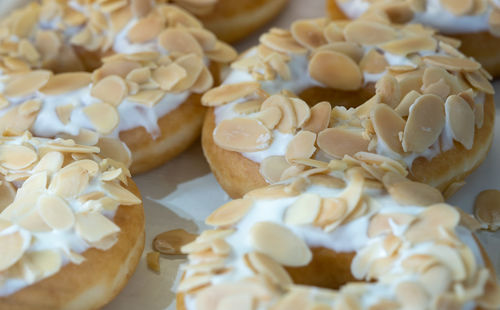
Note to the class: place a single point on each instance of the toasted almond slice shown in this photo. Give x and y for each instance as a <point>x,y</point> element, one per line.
<point>425,123</point>
<point>332,210</point>
<point>338,142</point>
<point>403,108</point>
<point>388,90</point>
<point>301,146</point>
<point>452,63</point>
<point>440,89</point>
<point>103,116</point>
<point>115,67</point>
<point>486,208</point>
<point>51,162</point>
<point>140,8</point>
<point>335,70</point>
<point>140,75</point>
<point>69,181</point>
<point>64,112</point>
<point>460,118</point>
<point>411,294</point>
<point>111,89</point>
<point>193,65</point>
<point>479,81</point>
<point>304,210</point>
<point>266,266</point>
<point>347,48</point>
<point>410,193</point>
<point>373,62</point>
<point>205,38</point>
<point>280,243</point>
<point>48,44</point>
<point>66,82</point>
<point>288,120</point>
<point>410,45</point>
<point>16,157</point>
<point>179,40</point>
<point>458,7</point>
<point>168,76</point>
<point>120,194</point>
<point>242,135</point>
<point>269,116</point>
<point>26,83</point>
<point>146,29</point>
<point>368,33</point>
<point>302,111</point>
<point>283,44</point>
<point>333,33</point>
<point>170,242</point>
<point>388,124</point>
<point>227,93</point>
<point>204,82</point>
<point>222,53</point>
<point>55,212</point>
<point>148,97</point>
<point>94,227</point>
<point>320,117</point>
<point>272,168</point>
<point>12,249</point>
<point>230,213</point>
<point>308,34</point>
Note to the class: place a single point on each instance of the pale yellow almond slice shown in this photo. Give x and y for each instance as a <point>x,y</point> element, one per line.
<point>170,242</point>
<point>320,117</point>
<point>168,76</point>
<point>280,244</point>
<point>179,40</point>
<point>69,181</point>
<point>308,34</point>
<point>48,44</point>
<point>272,168</point>
<point>353,50</point>
<point>16,157</point>
<point>452,63</point>
<point>149,97</point>
<point>440,89</point>
<point>412,295</point>
<point>55,212</point>
<point>304,210</point>
<point>94,227</point>
<point>115,67</point>
<point>338,142</point>
<point>486,208</point>
<point>29,107</point>
<point>335,70</point>
<point>227,93</point>
<point>288,120</point>
<point>425,123</point>
<point>410,45</point>
<point>410,193</point>
<point>280,66</point>
<point>301,146</point>
<point>373,62</point>
<point>266,266</point>
<point>302,111</point>
<point>51,162</point>
<point>204,82</point>
<point>388,124</point>
<point>86,164</point>
<point>332,210</point>
<point>66,82</point>
<point>242,135</point>
<point>283,44</point>
<point>64,112</point>
<point>7,195</point>
<point>458,7</point>
<point>146,29</point>
<point>222,53</point>
<point>403,108</point>
<point>140,75</point>
<point>111,89</point>
<point>436,280</point>
<point>460,118</point>
<point>388,90</point>
<point>230,213</point>
<point>103,116</point>
<point>46,263</point>
<point>12,249</point>
<point>120,194</point>
<point>479,81</point>
<point>271,192</point>
<point>27,83</point>
<point>269,116</point>
<point>193,65</point>
<point>368,33</point>
<point>205,38</point>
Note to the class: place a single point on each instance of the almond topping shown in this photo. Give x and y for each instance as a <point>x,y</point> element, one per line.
<point>410,45</point>
<point>460,118</point>
<point>301,146</point>
<point>12,246</point>
<point>410,193</point>
<point>66,82</point>
<point>94,227</point>
<point>368,33</point>
<point>111,89</point>
<point>452,63</point>
<point>230,213</point>
<point>103,116</point>
<point>55,212</point>
<point>308,34</point>
<point>283,44</point>
<point>304,210</point>
<point>179,40</point>
<point>27,83</point>
<point>242,135</point>
<point>373,62</point>
<point>227,93</point>
<point>335,70</point>
<point>338,142</point>
<point>146,29</point>
<point>320,117</point>
<point>388,124</point>
<point>266,266</point>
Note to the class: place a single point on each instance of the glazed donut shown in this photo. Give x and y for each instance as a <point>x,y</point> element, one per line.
<point>233,20</point>
<point>475,23</point>
<point>399,91</point>
<point>341,239</point>
<point>148,97</point>
<point>71,225</point>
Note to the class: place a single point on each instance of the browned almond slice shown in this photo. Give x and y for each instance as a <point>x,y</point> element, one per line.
<point>103,116</point>
<point>227,93</point>
<point>12,249</point>
<point>120,194</point>
<point>301,146</point>
<point>410,45</point>
<point>242,135</point>
<point>373,62</point>
<point>55,212</point>
<point>403,108</point>
<point>66,82</point>
<point>458,7</point>
<point>452,63</point>
<point>111,89</point>
<point>204,82</point>
<point>410,193</point>
<point>304,210</point>
<point>320,117</point>
<point>270,116</point>
<point>266,266</point>
<point>460,118</point>
<point>302,111</point>
<point>146,29</point>
<point>338,142</point>
<point>425,123</point>
<point>26,83</point>
<point>479,81</point>
<point>308,34</point>
<point>388,124</point>
<point>284,44</point>
<point>335,70</point>
<point>48,44</point>
<point>368,33</point>
<point>280,244</point>
<point>486,208</point>
<point>16,157</point>
<point>179,40</point>
<point>288,120</point>
<point>347,48</point>
<point>170,242</point>
<point>230,213</point>
<point>148,97</point>
<point>272,168</point>
<point>94,227</point>
<point>205,38</point>
<point>168,76</point>
<point>193,65</point>
<point>115,67</point>
<point>222,53</point>
<point>388,90</point>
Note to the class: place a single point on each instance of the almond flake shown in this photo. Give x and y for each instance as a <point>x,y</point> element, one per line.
<point>242,135</point>
<point>205,38</point>
<point>115,67</point>
<point>403,108</point>
<point>146,29</point>
<point>16,157</point>
<point>46,262</point>
<point>410,45</point>
<point>147,97</point>
<point>425,123</point>
<point>69,181</point>
<point>283,44</point>
<point>194,282</point>
<point>269,116</point>
<point>66,82</point>
<point>140,75</point>
<point>414,193</point>
<point>179,40</point>
<point>26,83</point>
<point>120,194</point>
<point>335,70</point>
<point>266,266</point>
<point>50,162</point>
<point>55,212</point>
<point>280,244</point>
<point>388,124</point>
<point>103,116</point>
<point>94,227</point>
<point>204,82</point>
<point>452,63</point>
<point>227,93</point>
<point>111,89</point>
<point>272,168</point>
<point>332,210</point>
<point>368,33</point>
<point>230,213</point>
<point>388,90</point>
<point>308,34</point>
<point>460,118</point>
<point>320,117</point>
<point>486,208</point>
<point>412,295</point>
<point>304,210</point>
<point>288,120</point>
<point>354,51</point>
<point>479,81</point>
<point>301,146</point>
<point>373,62</point>
<point>64,113</point>
<point>436,280</point>
<point>170,242</point>
<point>222,53</point>
<point>12,246</point>
<point>338,142</point>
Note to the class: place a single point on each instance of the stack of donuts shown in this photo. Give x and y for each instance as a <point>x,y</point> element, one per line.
<point>338,139</point>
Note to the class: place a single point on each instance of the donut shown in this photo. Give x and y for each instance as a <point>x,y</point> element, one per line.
<point>144,90</point>
<point>397,90</point>
<point>233,20</point>
<point>71,225</point>
<point>474,23</point>
<point>338,238</point>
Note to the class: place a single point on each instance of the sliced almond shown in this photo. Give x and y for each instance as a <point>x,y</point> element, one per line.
<point>335,70</point>
<point>266,266</point>
<point>460,118</point>
<point>26,83</point>
<point>55,212</point>
<point>103,116</point>
<point>146,29</point>
<point>284,44</point>
<point>320,117</point>
<point>410,193</point>
<point>388,124</point>
<point>301,146</point>
<point>170,242</point>
<point>64,112</point>
<point>338,142</point>
<point>304,210</point>
<point>94,227</point>
<point>388,90</point>
<point>13,246</point>
<point>69,181</point>
<point>179,40</point>
<point>308,34</point>
<point>410,45</point>
<point>373,62</point>
<point>242,135</point>
<point>479,81</point>
<point>368,33</point>
<point>452,63</point>
<point>230,213</point>
<point>16,157</point>
<point>66,82</point>
<point>270,117</point>
<point>120,194</point>
<point>111,89</point>
<point>227,93</point>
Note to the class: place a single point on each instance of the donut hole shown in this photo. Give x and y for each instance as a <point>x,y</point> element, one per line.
<point>347,99</point>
